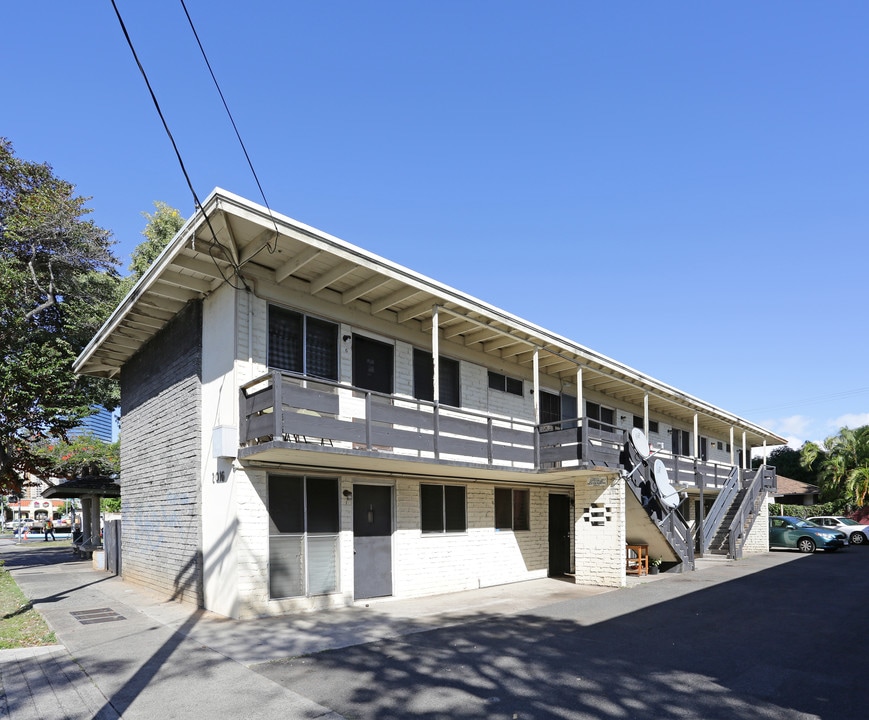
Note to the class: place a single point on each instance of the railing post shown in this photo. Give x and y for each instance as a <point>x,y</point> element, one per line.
<point>490,438</point>
<point>243,416</point>
<point>537,446</point>
<point>437,430</point>
<point>367,419</point>
<point>278,406</point>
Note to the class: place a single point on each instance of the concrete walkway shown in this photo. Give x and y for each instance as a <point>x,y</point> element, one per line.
<point>127,653</point>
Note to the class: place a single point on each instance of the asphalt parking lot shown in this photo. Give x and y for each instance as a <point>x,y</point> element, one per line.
<point>777,635</point>
<point>783,641</point>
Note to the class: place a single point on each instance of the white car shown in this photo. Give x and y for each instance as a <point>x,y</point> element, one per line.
<point>856,533</point>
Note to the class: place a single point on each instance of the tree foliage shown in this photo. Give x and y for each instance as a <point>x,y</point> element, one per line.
<point>58,283</point>
<point>789,463</point>
<point>81,455</point>
<point>162,226</point>
<point>843,465</point>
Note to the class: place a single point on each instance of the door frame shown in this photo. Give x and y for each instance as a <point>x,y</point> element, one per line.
<point>561,506</point>
<point>374,544</point>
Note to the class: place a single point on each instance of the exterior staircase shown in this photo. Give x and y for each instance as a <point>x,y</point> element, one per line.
<point>734,511</point>
<point>730,519</point>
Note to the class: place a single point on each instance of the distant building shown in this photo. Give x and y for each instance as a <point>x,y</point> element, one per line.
<point>99,425</point>
<point>794,492</point>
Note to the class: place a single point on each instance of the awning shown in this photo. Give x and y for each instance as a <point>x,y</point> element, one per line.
<point>101,485</point>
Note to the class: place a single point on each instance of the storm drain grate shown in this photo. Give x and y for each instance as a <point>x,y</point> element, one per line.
<point>100,615</point>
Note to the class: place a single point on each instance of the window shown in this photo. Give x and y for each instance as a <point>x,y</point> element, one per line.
<point>558,410</point>
<point>638,423</point>
<point>680,443</point>
<point>600,417</point>
<point>302,344</point>
<point>719,445</point>
<point>497,381</point>
<point>303,535</point>
<point>423,374</point>
<point>550,407</point>
<point>512,509</point>
<point>442,508</point>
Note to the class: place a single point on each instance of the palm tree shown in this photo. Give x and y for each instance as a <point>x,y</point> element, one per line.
<point>844,464</point>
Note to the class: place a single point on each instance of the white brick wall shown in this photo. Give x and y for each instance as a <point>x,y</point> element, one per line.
<point>758,537</point>
<point>425,564</point>
<point>600,531</point>
<point>436,563</point>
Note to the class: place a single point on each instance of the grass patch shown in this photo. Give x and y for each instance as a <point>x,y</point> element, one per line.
<point>22,625</point>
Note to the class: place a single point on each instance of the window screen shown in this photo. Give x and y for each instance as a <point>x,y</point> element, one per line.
<point>302,344</point>
<point>321,349</point>
<point>285,340</point>
<point>303,535</point>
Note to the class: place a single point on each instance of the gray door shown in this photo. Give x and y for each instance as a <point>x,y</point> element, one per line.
<point>372,541</point>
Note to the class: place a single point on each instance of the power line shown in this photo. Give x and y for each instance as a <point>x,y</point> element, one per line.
<point>198,205</point>
<point>234,126</point>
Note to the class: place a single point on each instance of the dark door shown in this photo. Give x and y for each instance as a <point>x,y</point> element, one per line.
<point>559,535</point>
<point>372,541</point>
<point>373,363</point>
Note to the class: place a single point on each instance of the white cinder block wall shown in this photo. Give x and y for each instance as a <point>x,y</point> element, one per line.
<point>430,563</point>
<point>600,531</point>
<point>758,537</point>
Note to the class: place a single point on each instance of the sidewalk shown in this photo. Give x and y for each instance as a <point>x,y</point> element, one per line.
<point>125,653</point>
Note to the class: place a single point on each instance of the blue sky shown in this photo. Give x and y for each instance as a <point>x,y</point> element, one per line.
<point>681,186</point>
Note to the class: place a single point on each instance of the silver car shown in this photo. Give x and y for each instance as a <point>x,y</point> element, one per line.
<point>854,531</point>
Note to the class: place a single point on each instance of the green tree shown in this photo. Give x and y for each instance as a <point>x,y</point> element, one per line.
<point>789,463</point>
<point>162,226</point>
<point>58,283</point>
<point>81,455</point>
<point>843,465</point>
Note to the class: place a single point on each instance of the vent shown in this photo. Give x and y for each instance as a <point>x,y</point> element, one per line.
<point>100,615</point>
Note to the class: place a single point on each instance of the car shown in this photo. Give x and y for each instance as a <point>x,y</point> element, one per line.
<point>790,532</point>
<point>856,533</point>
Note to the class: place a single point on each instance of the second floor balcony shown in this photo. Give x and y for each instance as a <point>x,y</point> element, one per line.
<point>282,413</point>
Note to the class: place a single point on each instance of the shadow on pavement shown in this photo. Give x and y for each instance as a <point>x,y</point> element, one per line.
<point>769,645</point>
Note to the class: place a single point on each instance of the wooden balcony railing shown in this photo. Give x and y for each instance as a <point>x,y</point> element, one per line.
<point>290,408</point>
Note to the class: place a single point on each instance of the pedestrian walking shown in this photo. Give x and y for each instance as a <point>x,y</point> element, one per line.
<point>49,529</point>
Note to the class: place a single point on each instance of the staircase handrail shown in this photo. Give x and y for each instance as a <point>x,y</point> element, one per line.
<point>719,508</point>
<point>678,534</point>
<point>763,480</point>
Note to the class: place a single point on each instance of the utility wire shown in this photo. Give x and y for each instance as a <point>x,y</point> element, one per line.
<point>198,205</point>
<point>234,126</point>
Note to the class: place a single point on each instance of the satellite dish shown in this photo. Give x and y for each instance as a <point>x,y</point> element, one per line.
<point>641,445</point>
<point>668,495</point>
